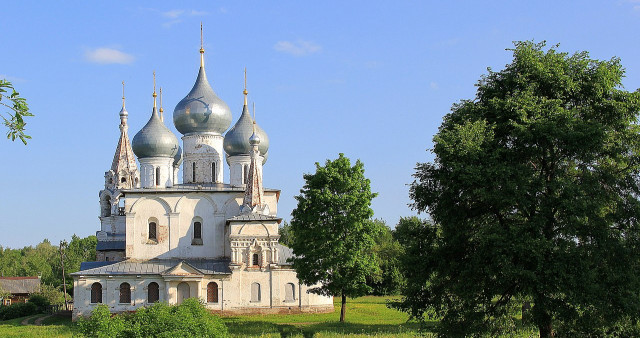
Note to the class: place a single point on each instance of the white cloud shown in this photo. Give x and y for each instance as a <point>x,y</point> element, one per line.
<point>104,55</point>
<point>198,13</point>
<point>174,13</point>
<point>298,48</point>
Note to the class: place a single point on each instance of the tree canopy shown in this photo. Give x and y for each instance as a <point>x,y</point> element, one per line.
<point>533,193</point>
<point>332,231</point>
<point>14,119</point>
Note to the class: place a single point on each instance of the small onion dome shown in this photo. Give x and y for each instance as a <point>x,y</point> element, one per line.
<point>155,139</point>
<point>236,141</point>
<point>201,110</point>
<point>124,112</point>
<point>177,160</point>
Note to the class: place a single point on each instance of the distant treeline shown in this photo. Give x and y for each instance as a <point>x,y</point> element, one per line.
<point>44,260</point>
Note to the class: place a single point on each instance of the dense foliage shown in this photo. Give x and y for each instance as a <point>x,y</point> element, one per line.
<point>189,319</point>
<point>34,305</point>
<point>387,250</point>
<point>333,233</point>
<point>534,196</point>
<point>18,110</point>
<point>44,260</point>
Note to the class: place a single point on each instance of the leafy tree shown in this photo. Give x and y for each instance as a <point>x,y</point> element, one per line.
<point>387,251</point>
<point>14,119</point>
<point>286,234</point>
<point>333,235</point>
<point>534,196</point>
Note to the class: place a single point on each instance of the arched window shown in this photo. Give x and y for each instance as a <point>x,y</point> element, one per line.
<point>213,172</point>
<point>212,292</point>
<point>255,292</point>
<point>197,230</point>
<point>193,176</point>
<point>106,206</point>
<point>289,292</point>
<point>158,176</point>
<point>256,259</point>
<point>153,292</point>
<point>125,293</point>
<point>123,180</point>
<point>152,231</point>
<point>96,293</point>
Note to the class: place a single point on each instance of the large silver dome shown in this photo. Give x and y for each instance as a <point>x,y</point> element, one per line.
<point>155,139</point>
<point>201,110</point>
<point>236,141</point>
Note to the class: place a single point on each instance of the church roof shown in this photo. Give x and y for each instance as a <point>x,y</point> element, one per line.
<point>110,245</point>
<point>253,217</point>
<point>157,267</point>
<point>123,158</point>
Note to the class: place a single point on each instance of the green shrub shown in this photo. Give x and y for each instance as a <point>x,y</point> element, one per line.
<point>17,310</point>
<point>190,319</point>
<point>40,302</point>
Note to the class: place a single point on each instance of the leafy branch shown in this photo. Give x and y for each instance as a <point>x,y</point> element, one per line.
<point>14,119</point>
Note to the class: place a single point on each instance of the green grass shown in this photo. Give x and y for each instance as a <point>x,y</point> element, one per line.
<point>365,317</point>
<point>52,327</point>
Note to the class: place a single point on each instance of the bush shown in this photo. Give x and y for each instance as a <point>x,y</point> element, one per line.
<point>40,302</point>
<point>190,319</point>
<point>17,310</point>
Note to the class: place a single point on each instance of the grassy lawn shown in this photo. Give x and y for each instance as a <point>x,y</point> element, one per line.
<point>366,317</point>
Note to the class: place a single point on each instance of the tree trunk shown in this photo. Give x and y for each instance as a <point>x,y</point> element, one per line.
<point>343,309</point>
<point>543,321</point>
<point>546,330</point>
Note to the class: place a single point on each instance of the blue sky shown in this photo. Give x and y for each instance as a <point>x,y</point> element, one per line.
<point>370,79</point>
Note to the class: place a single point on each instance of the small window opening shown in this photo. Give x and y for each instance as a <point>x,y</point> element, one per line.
<point>153,292</point>
<point>152,231</point>
<point>96,293</point>
<point>158,176</point>
<point>212,292</point>
<point>123,180</point>
<point>193,175</point>
<point>256,259</point>
<point>197,230</point>
<point>125,293</point>
<point>213,172</point>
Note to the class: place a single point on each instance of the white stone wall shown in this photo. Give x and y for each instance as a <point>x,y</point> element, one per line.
<point>175,214</point>
<point>234,292</point>
<point>237,174</point>
<point>203,149</point>
<point>148,172</point>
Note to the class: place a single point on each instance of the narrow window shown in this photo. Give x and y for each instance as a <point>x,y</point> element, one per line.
<point>289,292</point>
<point>193,176</point>
<point>123,180</point>
<point>106,259</point>
<point>158,176</point>
<point>197,230</point>
<point>245,177</point>
<point>125,293</point>
<point>152,231</point>
<point>153,292</point>
<point>212,292</point>
<point>255,292</point>
<point>256,259</point>
<point>96,293</point>
<point>213,172</point>
<point>106,207</point>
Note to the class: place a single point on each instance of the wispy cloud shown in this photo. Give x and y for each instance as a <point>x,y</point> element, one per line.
<point>105,55</point>
<point>297,48</point>
<point>433,85</point>
<point>174,13</point>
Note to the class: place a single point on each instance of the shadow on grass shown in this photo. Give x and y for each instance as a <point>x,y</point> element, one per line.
<point>257,328</point>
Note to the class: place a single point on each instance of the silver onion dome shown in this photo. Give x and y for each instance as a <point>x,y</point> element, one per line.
<point>177,160</point>
<point>236,141</point>
<point>155,139</point>
<point>201,110</point>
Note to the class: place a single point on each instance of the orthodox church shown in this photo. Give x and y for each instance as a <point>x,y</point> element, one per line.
<point>165,241</point>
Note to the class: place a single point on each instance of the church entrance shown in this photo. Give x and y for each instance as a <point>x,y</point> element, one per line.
<point>184,292</point>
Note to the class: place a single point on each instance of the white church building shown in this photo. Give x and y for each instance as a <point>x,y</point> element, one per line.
<point>165,241</point>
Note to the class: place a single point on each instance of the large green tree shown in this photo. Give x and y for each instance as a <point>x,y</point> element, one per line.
<point>13,119</point>
<point>332,231</point>
<point>534,195</point>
